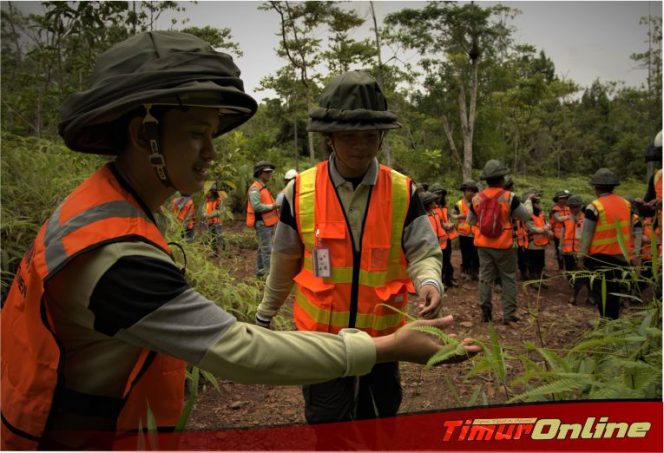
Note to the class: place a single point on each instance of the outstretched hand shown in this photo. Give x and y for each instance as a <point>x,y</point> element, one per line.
<point>411,345</point>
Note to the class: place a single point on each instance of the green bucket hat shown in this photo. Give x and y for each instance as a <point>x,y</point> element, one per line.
<point>158,68</point>
<point>428,197</point>
<point>436,188</point>
<point>469,184</point>
<point>574,201</point>
<point>561,194</point>
<point>604,177</point>
<point>261,166</point>
<point>352,102</point>
<point>494,169</point>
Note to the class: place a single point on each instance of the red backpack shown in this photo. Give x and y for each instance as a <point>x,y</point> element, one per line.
<point>489,223</point>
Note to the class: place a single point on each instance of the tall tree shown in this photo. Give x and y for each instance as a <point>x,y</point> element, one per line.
<point>455,39</point>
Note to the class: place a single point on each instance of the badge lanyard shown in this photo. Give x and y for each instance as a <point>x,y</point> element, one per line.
<point>321,255</point>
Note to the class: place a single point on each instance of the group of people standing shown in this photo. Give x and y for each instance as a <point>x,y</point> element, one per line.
<point>184,210</point>
<point>605,236</point>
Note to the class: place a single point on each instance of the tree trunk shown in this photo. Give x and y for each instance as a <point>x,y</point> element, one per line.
<point>387,151</point>
<point>467,117</point>
<point>450,141</point>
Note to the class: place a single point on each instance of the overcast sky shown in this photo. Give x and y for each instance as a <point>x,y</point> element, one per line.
<point>585,40</point>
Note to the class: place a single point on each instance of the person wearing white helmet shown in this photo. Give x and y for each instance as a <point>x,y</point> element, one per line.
<point>100,321</point>
<point>288,177</point>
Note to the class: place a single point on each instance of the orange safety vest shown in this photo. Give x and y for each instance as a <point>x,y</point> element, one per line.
<point>539,239</point>
<point>269,217</point>
<point>438,229</point>
<point>98,212</point>
<point>556,225</point>
<point>364,286</point>
<point>504,241</point>
<point>184,211</point>
<point>658,195</point>
<point>463,227</point>
<point>440,215</point>
<point>572,234</point>
<point>212,205</point>
<point>611,208</point>
<point>444,216</point>
<point>521,234</point>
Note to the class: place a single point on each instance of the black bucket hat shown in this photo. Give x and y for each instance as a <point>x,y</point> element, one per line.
<point>153,68</point>
<point>262,166</point>
<point>352,102</point>
<point>427,198</point>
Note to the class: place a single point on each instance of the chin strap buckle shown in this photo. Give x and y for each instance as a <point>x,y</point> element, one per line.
<point>151,126</point>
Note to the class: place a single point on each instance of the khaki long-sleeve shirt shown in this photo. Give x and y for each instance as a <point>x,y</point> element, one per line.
<point>419,243</point>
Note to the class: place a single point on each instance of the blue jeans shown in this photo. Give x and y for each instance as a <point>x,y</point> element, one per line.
<point>264,236</point>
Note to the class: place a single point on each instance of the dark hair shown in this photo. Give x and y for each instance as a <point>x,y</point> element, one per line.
<point>495,182</point>
<point>607,189</point>
<point>120,127</point>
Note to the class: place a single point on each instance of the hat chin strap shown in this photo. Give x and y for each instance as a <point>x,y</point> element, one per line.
<point>156,158</point>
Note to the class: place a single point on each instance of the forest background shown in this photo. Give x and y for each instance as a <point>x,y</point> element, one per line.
<point>472,94</point>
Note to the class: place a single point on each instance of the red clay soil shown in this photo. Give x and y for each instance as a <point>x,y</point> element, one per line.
<point>560,325</point>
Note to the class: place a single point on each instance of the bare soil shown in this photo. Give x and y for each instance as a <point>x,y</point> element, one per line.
<point>547,320</point>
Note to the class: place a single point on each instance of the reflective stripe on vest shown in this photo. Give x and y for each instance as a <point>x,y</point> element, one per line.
<point>363,285</point>
<point>438,230</point>
<point>538,239</point>
<point>556,225</point>
<point>504,241</point>
<point>210,207</point>
<point>572,233</point>
<point>269,218</point>
<point>438,211</point>
<point>98,212</point>
<point>611,208</point>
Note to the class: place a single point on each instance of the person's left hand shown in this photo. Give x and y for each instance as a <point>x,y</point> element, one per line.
<point>430,304</point>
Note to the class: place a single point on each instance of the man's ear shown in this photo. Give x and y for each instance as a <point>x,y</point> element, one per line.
<point>137,136</point>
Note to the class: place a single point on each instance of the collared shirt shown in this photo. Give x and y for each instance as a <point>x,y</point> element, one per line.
<point>419,243</point>
<point>255,199</point>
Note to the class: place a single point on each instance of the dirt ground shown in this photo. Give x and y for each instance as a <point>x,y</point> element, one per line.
<point>560,325</point>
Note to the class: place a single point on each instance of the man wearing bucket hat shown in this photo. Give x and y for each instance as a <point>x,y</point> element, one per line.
<point>352,235</point>
<point>470,261</point>
<point>262,214</point>
<point>99,320</point>
<point>493,210</point>
<point>607,224</point>
<point>450,232</point>
<point>570,238</point>
<point>558,214</point>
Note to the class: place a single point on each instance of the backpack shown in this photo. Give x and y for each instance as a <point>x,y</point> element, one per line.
<point>489,216</point>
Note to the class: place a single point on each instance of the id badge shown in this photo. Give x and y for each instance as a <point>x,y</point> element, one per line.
<point>322,262</point>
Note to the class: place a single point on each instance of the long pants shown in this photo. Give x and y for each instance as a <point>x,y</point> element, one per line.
<point>570,263</point>
<point>448,270</point>
<point>559,255</point>
<point>216,237</point>
<point>522,262</point>
<point>498,263</point>
<point>264,236</point>
<point>611,269</point>
<point>535,263</point>
<point>470,260</point>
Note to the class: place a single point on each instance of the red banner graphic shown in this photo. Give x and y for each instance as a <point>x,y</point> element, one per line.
<point>609,426</point>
